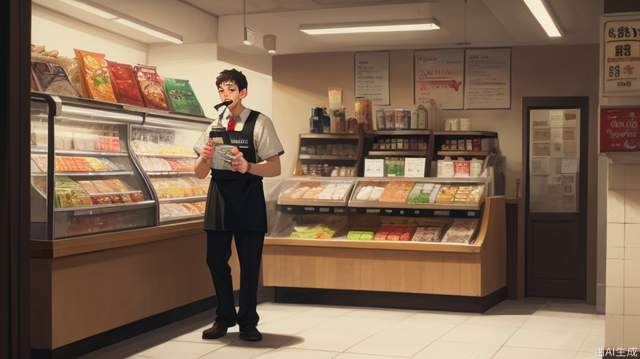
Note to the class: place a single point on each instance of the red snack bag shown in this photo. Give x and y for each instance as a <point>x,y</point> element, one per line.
<point>124,82</point>
<point>151,87</point>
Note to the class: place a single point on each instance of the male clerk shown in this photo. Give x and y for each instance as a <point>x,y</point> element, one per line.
<point>236,206</point>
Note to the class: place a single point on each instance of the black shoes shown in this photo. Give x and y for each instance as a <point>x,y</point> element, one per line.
<point>218,330</point>
<point>250,334</point>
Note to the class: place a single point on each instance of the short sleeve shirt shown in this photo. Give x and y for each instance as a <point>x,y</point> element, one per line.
<point>265,138</point>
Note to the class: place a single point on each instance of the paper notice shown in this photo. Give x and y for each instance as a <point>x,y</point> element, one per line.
<point>571,118</point>
<point>540,166</point>
<point>570,149</point>
<point>569,134</point>
<point>556,118</point>
<point>569,165</point>
<point>556,149</point>
<point>568,185</point>
<point>374,167</point>
<point>541,149</point>
<point>541,135</point>
<point>556,134</point>
<point>414,167</point>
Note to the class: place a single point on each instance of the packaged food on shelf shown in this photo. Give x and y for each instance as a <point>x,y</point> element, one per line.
<point>394,167</point>
<point>360,235</point>
<point>182,97</point>
<point>177,187</point>
<point>461,168</point>
<point>397,191</point>
<point>173,210</point>
<point>423,193</point>
<point>97,81</point>
<point>70,194</point>
<point>445,168</point>
<point>363,113</point>
<point>40,161</point>
<point>125,86</point>
<point>318,231</point>
<point>370,192</point>
<point>430,233</point>
<point>52,78</point>
<point>460,231</point>
<point>476,167</point>
<point>394,232</point>
<point>151,87</point>
<point>144,148</point>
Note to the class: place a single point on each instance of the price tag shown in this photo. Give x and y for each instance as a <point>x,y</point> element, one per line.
<point>374,167</point>
<point>414,166</point>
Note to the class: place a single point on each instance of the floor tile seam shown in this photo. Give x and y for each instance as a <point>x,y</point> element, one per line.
<point>364,339</point>
<point>539,348</point>
<point>511,336</point>
<point>212,351</point>
<point>438,338</point>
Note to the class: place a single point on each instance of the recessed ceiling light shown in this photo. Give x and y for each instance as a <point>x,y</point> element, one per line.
<point>93,9</point>
<point>542,14</point>
<point>369,27</point>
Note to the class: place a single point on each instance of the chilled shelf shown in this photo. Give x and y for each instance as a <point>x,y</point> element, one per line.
<point>327,157</point>
<point>329,136</point>
<point>81,153</point>
<point>401,133</point>
<point>165,156</point>
<point>399,153</point>
<point>169,173</point>
<point>181,218</point>
<point>105,208</point>
<point>87,174</point>
<point>183,199</point>
<point>463,153</point>
<point>467,133</point>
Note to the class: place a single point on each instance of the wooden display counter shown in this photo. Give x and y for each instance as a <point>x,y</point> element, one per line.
<point>90,291</point>
<point>476,272</point>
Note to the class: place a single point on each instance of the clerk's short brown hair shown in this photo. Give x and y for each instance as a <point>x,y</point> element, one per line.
<point>234,76</point>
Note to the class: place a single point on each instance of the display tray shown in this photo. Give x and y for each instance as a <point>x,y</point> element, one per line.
<point>398,153</point>
<point>372,244</point>
<point>404,212</point>
<point>181,218</point>
<point>165,156</point>
<point>407,206</point>
<point>182,199</point>
<point>81,153</point>
<point>169,173</point>
<point>312,202</point>
<point>326,157</point>
<point>86,174</point>
<point>467,133</point>
<point>105,208</point>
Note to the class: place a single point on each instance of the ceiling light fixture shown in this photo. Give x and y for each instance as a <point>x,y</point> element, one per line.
<point>269,43</point>
<point>90,8</point>
<point>249,36</point>
<point>367,27</point>
<point>125,20</point>
<point>543,15</point>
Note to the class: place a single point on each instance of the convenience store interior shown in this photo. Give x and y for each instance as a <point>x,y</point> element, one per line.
<point>388,236</point>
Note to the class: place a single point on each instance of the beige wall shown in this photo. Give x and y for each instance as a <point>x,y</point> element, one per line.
<point>623,257</point>
<point>63,33</point>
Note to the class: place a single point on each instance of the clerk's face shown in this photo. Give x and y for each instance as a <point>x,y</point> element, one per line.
<point>229,91</point>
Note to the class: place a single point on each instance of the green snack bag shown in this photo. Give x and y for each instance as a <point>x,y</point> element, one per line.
<point>181,97</point>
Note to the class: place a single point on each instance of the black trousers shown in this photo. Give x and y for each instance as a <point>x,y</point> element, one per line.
<point>249,249</point>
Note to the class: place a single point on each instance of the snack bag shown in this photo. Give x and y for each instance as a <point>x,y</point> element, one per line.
<point>97,82</point>
<point>181,97</point>
<point>52,78</point>
<point>151,87</point>
<point>124,84</point>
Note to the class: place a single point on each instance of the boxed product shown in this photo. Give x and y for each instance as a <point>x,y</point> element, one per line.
<point>360,235</point>
<point>151,87</point>
<point>370,192</point>
<point>429,233</point>
<point>125,86</point>
<point>461,231</point>
<point>51,78</point>
<point>312,232</point>
<point>95,71</point>
<point>397,191</point>
<point>181,97</point>
<point>70,194</point>
<point>394,232</point>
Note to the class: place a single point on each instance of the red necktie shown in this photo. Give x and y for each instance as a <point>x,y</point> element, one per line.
<point>231,126</point>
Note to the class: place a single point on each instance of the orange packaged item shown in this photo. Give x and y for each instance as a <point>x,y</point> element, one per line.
<point>124,84</point>
<point>97,82</point>
<point>151,87</point>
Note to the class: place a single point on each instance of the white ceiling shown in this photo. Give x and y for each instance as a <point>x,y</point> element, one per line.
<point>488,22</point>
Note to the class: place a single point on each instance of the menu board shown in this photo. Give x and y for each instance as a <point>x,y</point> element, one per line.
<point>621,71</point>
<point>439,76</point>
<point>620,130</point>
<point>554,137</point>
<point>487,79</point>
<point>372,76</point>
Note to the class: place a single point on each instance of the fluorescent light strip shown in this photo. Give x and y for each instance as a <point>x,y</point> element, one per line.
<point>90,9</point>
<point>356,28</point>
<point>540,12</point>
<point>149,31</point>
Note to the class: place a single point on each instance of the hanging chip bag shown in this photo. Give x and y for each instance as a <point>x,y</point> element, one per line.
<point>151,87</point>
<point>124,82</point>
<point>181,97</point>
<point>95,73</point>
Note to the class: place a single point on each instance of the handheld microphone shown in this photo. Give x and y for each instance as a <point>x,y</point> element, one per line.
<point>223,103</point>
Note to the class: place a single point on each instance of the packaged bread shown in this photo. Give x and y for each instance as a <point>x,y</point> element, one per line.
<point>95,74</point>
<point>151,87</point>
<point>52,78</point>
<point>461,231</point>
<point>125,86</point>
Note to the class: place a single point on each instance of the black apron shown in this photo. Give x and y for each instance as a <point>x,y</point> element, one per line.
<point>236,200</point>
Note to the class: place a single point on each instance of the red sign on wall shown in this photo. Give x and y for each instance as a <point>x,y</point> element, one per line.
<point>620,130</point>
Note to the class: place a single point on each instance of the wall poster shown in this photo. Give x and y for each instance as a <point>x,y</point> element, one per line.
<point>439,76</point>
<point>372,77</point>
<point>487,79</point>
<point>621,71</point>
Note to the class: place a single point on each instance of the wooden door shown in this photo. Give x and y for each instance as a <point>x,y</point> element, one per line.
<point>555,165</point>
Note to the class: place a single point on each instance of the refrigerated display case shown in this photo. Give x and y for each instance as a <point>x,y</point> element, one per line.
<point>164,149</point>
<point>329,155</point>
<point>82,154</point>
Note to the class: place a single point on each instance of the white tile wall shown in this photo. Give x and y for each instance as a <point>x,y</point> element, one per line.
<point>622,324</point>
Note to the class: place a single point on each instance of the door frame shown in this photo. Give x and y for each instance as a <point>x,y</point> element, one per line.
<point>532,103</point>
<point>15,32</point>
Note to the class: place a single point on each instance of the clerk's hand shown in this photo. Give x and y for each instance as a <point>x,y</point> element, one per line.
<point>207,151</point>
<point>238,163</point>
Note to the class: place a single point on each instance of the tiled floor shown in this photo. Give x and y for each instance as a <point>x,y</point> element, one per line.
<point>531,329</point>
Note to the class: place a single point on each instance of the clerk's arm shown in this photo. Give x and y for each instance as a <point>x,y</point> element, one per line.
<point>267,168</point>
<point>203,163</point>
